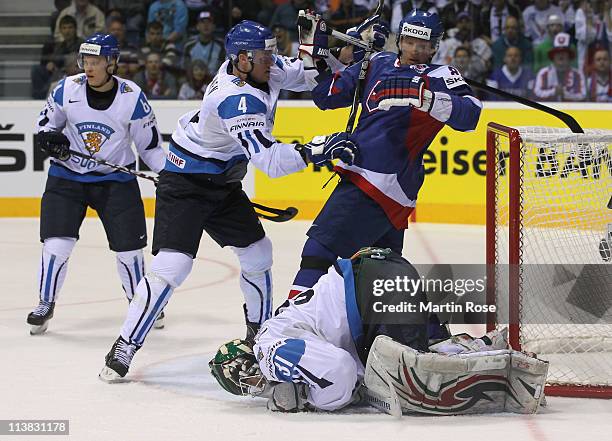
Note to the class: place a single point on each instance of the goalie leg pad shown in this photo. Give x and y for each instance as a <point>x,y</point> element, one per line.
<point>256,279</point>
<point>490,382</point>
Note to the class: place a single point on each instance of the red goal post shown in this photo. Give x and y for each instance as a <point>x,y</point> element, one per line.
<point>547,219</point>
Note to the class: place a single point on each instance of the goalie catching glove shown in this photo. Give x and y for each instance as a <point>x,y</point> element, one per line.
<point>56,144</point>
<point>406,92</point>
<point>323,149</point>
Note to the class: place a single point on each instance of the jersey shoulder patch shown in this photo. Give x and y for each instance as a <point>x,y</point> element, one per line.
<point>79,79</point>
<point>58,92</point>
<point>142,109</point>
<point>450,75</point>
<point>242,104</point>
<point>126,87</point>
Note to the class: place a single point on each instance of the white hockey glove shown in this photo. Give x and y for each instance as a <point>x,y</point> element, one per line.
<point>404,92</point>
<point>323,149</point>
<point>313,38</point>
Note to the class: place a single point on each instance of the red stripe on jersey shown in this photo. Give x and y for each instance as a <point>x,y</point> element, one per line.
<point>334,90</point>
<point>398,214</point>
<point>423,127</point>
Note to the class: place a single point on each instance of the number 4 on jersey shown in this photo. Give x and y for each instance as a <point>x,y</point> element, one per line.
<point>242,106</point>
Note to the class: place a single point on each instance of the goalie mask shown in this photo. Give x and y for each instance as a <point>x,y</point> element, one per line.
<point>235,367</point>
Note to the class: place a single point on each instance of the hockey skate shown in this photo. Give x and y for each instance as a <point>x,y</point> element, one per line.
<point>252,328</point>
<point>39,318</point>
<point>118,361</point>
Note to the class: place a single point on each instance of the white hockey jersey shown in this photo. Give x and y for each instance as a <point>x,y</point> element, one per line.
<point>105,134</point>
<point>234,125</point>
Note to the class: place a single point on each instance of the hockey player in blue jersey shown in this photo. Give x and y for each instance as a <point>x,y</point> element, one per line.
<point>200,189</point>
<point>404,104</point>
<point>98,114</point>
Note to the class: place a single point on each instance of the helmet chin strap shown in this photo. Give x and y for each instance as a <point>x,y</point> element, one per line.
<point>109,75</point>
<point>247,73</point>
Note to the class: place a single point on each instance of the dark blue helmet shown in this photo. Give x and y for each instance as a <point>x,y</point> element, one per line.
<point>248,36</point>
<point>105,45</point>
<point>423,25</point>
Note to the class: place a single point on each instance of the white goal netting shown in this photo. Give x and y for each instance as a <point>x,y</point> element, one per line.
<point>565,274</point>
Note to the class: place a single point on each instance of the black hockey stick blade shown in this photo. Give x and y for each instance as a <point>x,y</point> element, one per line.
<point>283,216</point>
<point>610,203</point>
<point>566,118</point>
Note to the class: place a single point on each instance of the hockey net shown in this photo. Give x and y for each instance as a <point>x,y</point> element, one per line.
<point>549,233</point>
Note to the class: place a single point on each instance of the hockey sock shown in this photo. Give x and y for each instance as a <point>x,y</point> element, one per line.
<point>256,279</point>
<point>169,269</point>
<point>54,263</point>
<point>316,260</point>
<point>130,265</point>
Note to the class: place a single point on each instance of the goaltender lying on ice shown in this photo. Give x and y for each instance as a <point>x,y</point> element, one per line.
<point>323,351</point>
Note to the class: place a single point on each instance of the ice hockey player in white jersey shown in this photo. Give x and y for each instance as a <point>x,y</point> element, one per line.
<point>98,114</point>
<point>317,352</point>
<point>200,190</point>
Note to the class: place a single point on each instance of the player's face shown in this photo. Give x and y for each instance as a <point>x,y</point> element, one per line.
<point>262,61</point>
<point>415,51</point>
<point>95,67</point>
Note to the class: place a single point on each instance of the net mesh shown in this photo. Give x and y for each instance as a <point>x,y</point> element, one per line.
<point>565,284</point>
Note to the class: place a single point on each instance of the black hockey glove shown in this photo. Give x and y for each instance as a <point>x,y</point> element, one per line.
<point>325,148</point>
<point>56,144</point>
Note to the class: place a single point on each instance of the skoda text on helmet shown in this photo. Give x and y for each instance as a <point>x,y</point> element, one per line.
<point>422,25</point>
<point>104,45</point>
<point>252,38</point>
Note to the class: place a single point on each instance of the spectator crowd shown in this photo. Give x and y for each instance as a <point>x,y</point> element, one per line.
<point>539,49</point>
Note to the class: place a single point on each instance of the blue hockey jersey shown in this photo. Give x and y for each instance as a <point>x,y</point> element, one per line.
<point>389,166</point>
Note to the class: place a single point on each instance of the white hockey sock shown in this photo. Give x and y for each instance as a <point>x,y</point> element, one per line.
<point>130,265</point>
<point>256,279</point>
<point>53,266</point>
<point>168,270</point>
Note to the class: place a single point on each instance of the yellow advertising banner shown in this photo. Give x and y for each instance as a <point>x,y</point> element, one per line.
<point>454,188</point>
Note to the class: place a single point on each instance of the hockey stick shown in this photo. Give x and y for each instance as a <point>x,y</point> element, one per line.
<point>362,74</point>
<point>280,215</point>
<point>567,119</point>
<point>393,402</point>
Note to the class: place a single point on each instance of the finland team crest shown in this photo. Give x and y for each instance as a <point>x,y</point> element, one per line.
<point>94,135</point>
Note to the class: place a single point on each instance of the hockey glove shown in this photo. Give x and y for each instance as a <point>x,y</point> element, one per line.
<point>406,92</point>
<point>325,148</point>
<point>56,144</point>
<point>313,36</point>
<point>369,30</point>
